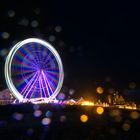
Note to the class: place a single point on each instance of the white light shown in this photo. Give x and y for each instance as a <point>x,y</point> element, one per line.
<point>8,64</point>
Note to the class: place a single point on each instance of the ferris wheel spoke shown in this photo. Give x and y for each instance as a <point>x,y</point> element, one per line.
<point>51,83</point>
<point>50,61</point>
<point>32,86</point>
<point>28,69</point>
<point>31,59</point>
<point>17,65</point>
<point>40,86</point>
<point>52,69</point>
<point>27,87</point>
<point>44,54</point>
<point>43,85</point>
<point>47,84</point>
<point>25,65</point>
<point>28,76</point>
<point>37,54</point>
<point>40,50</point>
<point>27,72</point>
<point>52,74</point>
<point>48,54</point>
<point>33,92</point>
<point>30,65</point>
<point>24,71</point>
<point>52,80</point>
<point>28,84</point>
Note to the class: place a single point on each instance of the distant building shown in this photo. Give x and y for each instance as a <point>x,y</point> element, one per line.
<point>109,99</point>
<point>6,97</point>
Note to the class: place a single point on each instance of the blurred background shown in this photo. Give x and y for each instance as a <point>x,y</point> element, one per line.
<point>98,41</point>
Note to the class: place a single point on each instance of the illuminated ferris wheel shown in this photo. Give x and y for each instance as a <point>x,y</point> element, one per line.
<point>34,71</point>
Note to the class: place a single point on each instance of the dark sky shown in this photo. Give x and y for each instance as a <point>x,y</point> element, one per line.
<point>100,38</point>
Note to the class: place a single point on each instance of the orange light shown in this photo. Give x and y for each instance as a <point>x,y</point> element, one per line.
<point>100,110</point>
<point>84,118</point>
<point>99,90</point>
<point>126,126</point>
<point>134,115</point>
<point>87,103</point>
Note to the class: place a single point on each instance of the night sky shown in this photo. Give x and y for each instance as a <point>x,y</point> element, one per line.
<point>96,40</point>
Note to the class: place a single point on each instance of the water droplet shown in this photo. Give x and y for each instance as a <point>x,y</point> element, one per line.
<point>5,35</point>
<point>46,121</point>
<point>34,23</point>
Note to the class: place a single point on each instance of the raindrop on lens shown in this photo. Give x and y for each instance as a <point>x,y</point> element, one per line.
<point>5,35</point>
<point>48,114</point>
<point>18,116</point>
<point>11,13</point>
<point>37,113</point>
<point>46,121</point>
<point>34,23</point>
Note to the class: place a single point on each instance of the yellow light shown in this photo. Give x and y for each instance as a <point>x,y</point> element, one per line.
<point>84,118</point>
<point>99,90</point>
<point>87,103</point>
<point>100,110</point>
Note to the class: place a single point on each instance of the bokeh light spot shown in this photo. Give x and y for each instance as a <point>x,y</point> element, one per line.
<point>34,23</point>
<point>71,91</point>
<point>61,96</point>
<point>5,35</point>
<point>46,121</point>
<point>134,115</point>
<point>126,126</point>
<point>37,113</point>
<point>11,13</point>
<point>100,110</point>
<point>52,38</point>
<point>18,116</point>
<point>62,118</point>
<point>3,52</point>
<point>48,114</point>
<point>84,118</point>
<point>99,90</point>
<point>58,28</point>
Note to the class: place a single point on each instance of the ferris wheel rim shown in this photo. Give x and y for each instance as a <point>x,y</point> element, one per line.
<point>10,57</point>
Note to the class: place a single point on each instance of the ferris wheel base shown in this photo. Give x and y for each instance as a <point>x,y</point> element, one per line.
<point>37,101</point>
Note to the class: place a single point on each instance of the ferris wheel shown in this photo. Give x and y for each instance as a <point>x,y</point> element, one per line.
<point>34,71</point>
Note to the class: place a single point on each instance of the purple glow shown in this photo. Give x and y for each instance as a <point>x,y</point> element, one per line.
<point>35,71</point>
